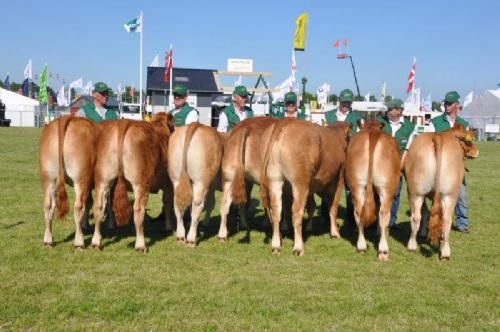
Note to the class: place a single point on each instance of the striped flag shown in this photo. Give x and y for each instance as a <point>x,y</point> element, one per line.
<point>168,64</point>
<point>337,44</point>
<point>411,77</point>
<point>294,65</point>
<point>42,95</point>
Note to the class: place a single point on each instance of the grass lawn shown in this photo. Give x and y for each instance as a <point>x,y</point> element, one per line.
<point>240,285</point>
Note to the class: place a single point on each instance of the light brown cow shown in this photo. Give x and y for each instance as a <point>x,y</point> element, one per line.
<point>435,164</point>
<point>241,165</point>
<point>311,159</point>
<point>194,155</point>
<point>131,153</point>
<point>67,155</point>
<point>370,147</point>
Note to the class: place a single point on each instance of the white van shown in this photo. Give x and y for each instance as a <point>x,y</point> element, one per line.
<point>130,111</point>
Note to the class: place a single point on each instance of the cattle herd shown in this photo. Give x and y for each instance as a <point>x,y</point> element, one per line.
<point>290,159</point>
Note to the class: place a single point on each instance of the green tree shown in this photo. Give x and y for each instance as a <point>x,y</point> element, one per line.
<point>436,106</point>
<point>373,98</point>
<point>333,98</point>
<point>359,98</point>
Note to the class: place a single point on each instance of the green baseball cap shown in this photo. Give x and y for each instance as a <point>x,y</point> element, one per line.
<point>290,97</point>
<point>346,95</point>
<point>180,90</point>
<point>240,90</point>
<point>394,103</point>
<point>101,87</point>
<point>452,97</point>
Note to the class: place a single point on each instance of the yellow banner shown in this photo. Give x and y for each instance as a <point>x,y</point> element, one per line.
<point>299,40</point>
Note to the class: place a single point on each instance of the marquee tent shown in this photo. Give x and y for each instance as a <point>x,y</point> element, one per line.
<point>23,111</point>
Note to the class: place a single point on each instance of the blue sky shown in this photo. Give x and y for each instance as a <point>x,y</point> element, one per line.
<point>456,43</point>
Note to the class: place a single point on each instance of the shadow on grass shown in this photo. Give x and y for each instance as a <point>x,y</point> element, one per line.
<point>18,223</point>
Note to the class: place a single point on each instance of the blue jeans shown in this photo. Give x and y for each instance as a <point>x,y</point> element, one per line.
<point>395,203</point>
<point>461,208</point>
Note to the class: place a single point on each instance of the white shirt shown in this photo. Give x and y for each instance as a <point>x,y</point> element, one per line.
<point>341,116</point>
<point>100,110</point>
<point>223,122</point>
<point>395,126</point>
<point>191,117</point>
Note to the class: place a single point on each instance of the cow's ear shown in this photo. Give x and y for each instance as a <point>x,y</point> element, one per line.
<point>381,125</point>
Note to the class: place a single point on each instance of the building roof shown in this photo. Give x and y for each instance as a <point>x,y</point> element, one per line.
<point>196,80</point>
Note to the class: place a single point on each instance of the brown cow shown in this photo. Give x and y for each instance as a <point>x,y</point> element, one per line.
<point>435,164</point>
<point>241,164</point>
<point>311,159</point>
<point>194,155</point>
<point>67,155</point>
<point>134,153</point>
<point>369,147</point>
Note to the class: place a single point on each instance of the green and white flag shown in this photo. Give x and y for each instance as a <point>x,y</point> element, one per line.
<point>42,82</point>
<point>134,25</point>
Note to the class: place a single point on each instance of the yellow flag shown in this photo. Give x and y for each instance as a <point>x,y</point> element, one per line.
<point>299,40</point>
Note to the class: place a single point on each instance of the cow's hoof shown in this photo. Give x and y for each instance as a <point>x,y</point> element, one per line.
<point>181,240</point>
<point>361,251</point>
<point>411,250</point>
<point>97,247</point>
<point>79,248</point>
<point>383,256</point>
<point>48,244</point>
<point>142,250</point>
<point>222,239</point>
<point>276,251</point>
<point>298,252</point>
<point>444,258</point>
<point>190,244</point>
<point>334,236</point>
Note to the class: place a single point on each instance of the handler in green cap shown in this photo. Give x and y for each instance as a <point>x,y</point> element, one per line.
<point>290,108</point>
<point>344,112</point>
<point>236,112</point>
<point>97,111</point>
<point>401,129</point>
<point>183,113</point>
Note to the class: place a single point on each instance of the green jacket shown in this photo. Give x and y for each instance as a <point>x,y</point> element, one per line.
<point>352,118</point>
<point>232,118</point>
<point>280,114</point>
<point>441,122</point>
<point>180,117</point>
<point>403,133</point>
<point>91,113</point>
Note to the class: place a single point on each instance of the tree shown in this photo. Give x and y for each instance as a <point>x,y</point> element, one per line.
<point>387,99</point>
<point>373,98</point>
<point>359,98</point>
<point>333,98</point>
<point>436,106</point>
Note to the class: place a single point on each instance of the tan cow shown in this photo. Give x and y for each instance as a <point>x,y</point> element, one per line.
<point>194,155</point>
<point>373,164</point>
<point>241,165</point>
<point>435,164</point>
<point>132,153</point>
<point>67,155</point>
<point>311,159</point>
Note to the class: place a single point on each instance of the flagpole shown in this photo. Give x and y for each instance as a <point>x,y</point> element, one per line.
<point>140,68</point>
<point>170,96</point>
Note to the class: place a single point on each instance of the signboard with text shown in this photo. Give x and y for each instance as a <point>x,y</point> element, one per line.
<point>240,65</point>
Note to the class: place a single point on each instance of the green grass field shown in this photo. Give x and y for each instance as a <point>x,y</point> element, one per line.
<point>239,285</point>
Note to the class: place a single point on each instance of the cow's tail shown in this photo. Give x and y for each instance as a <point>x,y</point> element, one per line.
<point>62,206</point>
<point>121,204</point>
<point>368,210</point>
<point>239,188</point>
<point>436,218</point>
<point>264,185</point>
<point>184,192</point>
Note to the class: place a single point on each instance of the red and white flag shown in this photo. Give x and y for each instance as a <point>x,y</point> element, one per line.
<point>168,64</point>
<point>337,44</point>
<point>346,42</point>
<point>294,65</point>
<point>411,77</point>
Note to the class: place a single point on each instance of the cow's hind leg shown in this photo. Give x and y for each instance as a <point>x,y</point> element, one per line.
<point>300,196</point>
<point>416,216</point>
<point>180,232</point>
<point>310,207</point>
<point>225,204</point>
<point>209,204</point>
<point>358,198</point>
<point>101,195</point>
<point>199,193</point>
<point>141,194</point>
<point>447,205</point>
<point>81,194</point>
<point>384,217</point>
<point>168,203</point>
<point>49,204</point>
<point>275,193</point>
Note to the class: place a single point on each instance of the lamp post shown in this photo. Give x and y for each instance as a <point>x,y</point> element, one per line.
<point>304,81</point>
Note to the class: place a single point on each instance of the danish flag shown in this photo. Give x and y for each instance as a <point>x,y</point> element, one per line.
<point>411,77</point>
<point>168,64</point>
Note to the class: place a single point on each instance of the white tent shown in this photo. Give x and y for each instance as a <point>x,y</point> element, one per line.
<point>23,111</point>
<point>484,109</point>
